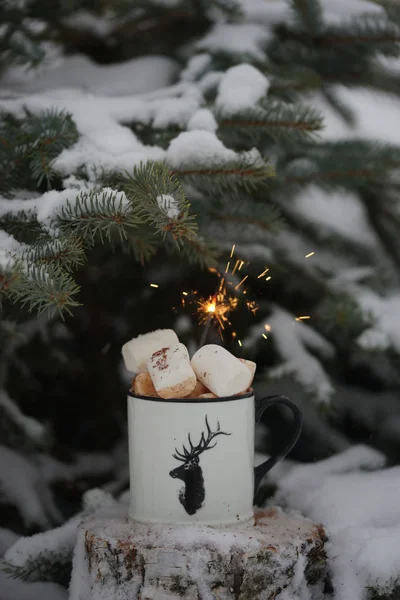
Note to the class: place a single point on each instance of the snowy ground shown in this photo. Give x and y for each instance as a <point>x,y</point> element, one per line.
<point>352,494</point>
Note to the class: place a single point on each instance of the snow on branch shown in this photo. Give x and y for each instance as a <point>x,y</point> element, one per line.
<point>200,158</point>
<point>48,556</point>
<point>297,361</point>
<point>237,39</point>
<point>20,478</point>
<point>31,428</point>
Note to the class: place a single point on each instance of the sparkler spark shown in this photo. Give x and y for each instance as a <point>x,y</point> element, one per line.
<point>154,285</point>
<point>302,318</point>
<point>310,254</point>
<point>263,273</point>
<point>240,282</point>
<point>217,308</point>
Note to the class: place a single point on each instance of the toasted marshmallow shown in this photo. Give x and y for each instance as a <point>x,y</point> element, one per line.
<point>171,372</point>
<point>251,365</point>
<point>142,385</point>
<point>138,350</point>
<point>199,389</point>
<point>220,371</point>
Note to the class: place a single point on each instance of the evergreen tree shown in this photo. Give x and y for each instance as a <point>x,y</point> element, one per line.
<point>191,154</point>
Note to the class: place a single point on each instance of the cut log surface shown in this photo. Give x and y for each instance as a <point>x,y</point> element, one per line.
<point>116,559</point>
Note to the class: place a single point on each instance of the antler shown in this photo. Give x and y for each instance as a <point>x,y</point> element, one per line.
<point>203,445</point>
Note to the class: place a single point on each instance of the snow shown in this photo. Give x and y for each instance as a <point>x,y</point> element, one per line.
<point>197,148</point>
<point>373,339</point>
<point>135,76</point>
<point>241,87</point>
<point>14,589</point>
<point>327,209</point>
<point>297,361</point>
<point>361,511</point>
<point>79,588</point>
<point>42,546</point>
<point>370,123</point>
<point>36,552</point>
<point>20,479</point>
<point>82,20</point>
<point>31,427</point>
<point>273,12</point>
<point>202,119</point>
<point>7,539</point>
<point>236,38</point>
<point>174,111</point>
<point>47,207</point>
<point>196,66</point>
<point>168,205</point>
<point>385,312</point>
<point>9,246</point>
<point>105,144</point>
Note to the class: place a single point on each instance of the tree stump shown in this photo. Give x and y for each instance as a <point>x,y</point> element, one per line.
<point>116,559</point>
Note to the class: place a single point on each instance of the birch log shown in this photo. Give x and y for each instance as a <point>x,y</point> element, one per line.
<point>119,560</point>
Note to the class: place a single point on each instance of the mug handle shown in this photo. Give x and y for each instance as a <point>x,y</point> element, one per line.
<point>263,404</point>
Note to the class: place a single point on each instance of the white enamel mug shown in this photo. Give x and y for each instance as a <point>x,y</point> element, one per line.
<point>191,460</point>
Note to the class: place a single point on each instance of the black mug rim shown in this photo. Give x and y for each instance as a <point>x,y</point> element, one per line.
<point>193,400</point>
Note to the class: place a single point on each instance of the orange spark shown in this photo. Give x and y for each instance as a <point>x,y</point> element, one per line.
<point>263,273</point>
<point>240,282</point>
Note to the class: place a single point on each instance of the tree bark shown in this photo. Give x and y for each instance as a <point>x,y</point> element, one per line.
<point>118,559</point>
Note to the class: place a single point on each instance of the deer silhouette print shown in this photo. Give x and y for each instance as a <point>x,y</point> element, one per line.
<point>192,495</point>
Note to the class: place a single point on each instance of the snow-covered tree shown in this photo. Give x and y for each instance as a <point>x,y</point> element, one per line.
<point>150,150</point>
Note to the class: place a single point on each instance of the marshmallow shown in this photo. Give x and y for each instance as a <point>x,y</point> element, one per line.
<point>138,350</point>
<point>250,365</point>
<point>220,371</point>
<point>170,370</point>
<point>142,385</point>
<point>208,395</point>
<point>199,389</point>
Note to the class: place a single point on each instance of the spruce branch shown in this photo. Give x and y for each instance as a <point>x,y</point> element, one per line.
<point>160,201</point>
<point>391,7</point>
<point>350,164</point>
<point>368,32</point>
<point>267,217</point>
<point>142,248</point>
<point>23,225</point>
<point>309,14</point>
<point>29,146</point>
<point>236,175</point>
<point>98,214</point>
<point>201,251</point>
<point>365,35</point>
<point>273,120</point>
<point>65,252</point>
<point>45,287</point>
<point>287,81</point>
<point>342,317</point>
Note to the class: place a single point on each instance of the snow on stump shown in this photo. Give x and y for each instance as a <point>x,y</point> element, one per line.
<point>118,559</point>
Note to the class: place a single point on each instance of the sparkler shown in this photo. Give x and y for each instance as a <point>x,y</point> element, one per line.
<point>217,308</point>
